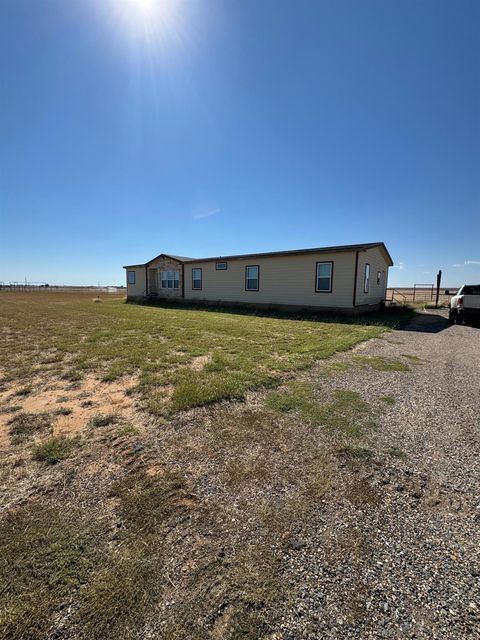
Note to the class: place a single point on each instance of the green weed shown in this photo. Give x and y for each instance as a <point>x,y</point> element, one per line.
<point>55,449</point>
<point>101,420</point>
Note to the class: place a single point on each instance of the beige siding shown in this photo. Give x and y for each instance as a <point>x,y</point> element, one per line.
<point>136,290</point>
<point>377,261</point>
<point>284,280</point>
<point>154,283</point>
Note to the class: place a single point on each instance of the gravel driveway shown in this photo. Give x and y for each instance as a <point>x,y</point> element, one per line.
<point>404,560</point>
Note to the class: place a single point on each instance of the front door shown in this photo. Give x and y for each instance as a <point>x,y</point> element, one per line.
<point>152,281</point>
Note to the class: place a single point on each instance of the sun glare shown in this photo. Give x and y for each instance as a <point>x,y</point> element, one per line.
<point>151,15</point>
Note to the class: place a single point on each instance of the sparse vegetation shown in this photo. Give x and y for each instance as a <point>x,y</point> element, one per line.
<point>128,430</point>
<point>24,425</point>
<point>160,344</point>
<point>413,359</point>
<point>72,375</point>
<point>388,399</point>
<point>24,391</point>
<point>63,411</point>
<point>55,449</point>
<point>356,453</point>
<point>381,364</point>
<point>45,553</point>
<point>374,362</point>
<point>185,524</point>
<point>103,420</point>
<point>345,413</point>
<point>396,452</point>
<point>11,409</point>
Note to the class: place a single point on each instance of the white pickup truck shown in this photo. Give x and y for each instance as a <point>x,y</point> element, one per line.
<point>464,306</point>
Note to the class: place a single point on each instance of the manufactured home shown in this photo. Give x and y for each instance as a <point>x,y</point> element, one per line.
<point>349,278</point>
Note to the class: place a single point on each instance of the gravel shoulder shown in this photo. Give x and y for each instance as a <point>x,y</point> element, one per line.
<point>404,562</point>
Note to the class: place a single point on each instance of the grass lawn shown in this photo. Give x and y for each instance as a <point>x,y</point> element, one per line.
<point>161,524</point>
<point>181,357</point>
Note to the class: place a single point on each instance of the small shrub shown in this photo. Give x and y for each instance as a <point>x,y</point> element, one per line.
<point>55,449</point>
<point>72,375</point>
<point>128,430</point>
<point>63,411</point>
<point>101,420</point>
<point>387,399</point>
<point>11,409</point>
<point>24,391</point>
<point>25,425</point>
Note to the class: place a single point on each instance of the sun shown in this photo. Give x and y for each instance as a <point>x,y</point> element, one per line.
<point>151,10</point>
<point>149,7</point>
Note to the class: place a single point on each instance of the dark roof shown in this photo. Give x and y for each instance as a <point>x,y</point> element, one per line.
<point>292,252</point>
<point>179,258</point>
<point>161,255</point>
<point>274,254</point>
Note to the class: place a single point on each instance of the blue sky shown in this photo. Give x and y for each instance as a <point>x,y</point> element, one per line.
<point>206,127</point>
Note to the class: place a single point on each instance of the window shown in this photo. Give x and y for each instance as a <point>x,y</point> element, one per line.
<point>221,266</point>
<point>131,277</point>
<point>252,276</point>
<point>323,280</point>
<point>170,279</point>
<point>197,279</point>
<point>471,290</point>
<point>366,279</point>
<point>379,277</point>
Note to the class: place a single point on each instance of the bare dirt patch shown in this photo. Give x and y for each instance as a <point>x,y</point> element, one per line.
<point>199,362</point>
<point>71,410</point>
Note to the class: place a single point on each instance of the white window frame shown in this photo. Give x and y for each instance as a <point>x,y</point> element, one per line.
<point>366,278</point>
<point>194,279</point>
<point>131,280</point>
<point>256,278</point>
<point>221,266</point>
<point>170,279</point>
<point>318,277</point>
<point>379,278</point>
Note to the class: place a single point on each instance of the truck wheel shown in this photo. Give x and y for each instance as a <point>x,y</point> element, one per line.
<point>451,317</point>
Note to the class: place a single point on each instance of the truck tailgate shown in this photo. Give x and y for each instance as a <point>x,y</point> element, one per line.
<point>471,302</point>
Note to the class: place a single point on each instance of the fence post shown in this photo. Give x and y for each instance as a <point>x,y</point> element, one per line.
<point>439,279</point>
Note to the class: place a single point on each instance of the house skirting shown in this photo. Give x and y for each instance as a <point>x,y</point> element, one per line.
<point>292,308</point>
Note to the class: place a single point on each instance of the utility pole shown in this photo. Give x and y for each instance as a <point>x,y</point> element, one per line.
<point>439,279</point>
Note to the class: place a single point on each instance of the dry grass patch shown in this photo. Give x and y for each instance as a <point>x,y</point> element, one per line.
<point>45,554</point>
<point>102,420</point>
<point>25,425</point>
<point>11,409</point>
<point>23,391</point>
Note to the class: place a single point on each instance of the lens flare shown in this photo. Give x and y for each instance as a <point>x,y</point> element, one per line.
<point>153,16</point>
